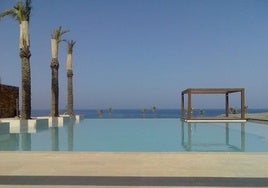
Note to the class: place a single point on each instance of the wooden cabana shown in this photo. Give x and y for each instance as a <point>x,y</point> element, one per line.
<point>224,91</point>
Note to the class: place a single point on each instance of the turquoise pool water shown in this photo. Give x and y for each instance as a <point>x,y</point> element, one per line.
<point>136,135</point>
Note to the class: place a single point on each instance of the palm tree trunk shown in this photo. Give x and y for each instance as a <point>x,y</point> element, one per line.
<point>70,83</point>
<point>70,92</point>
<point>25,55</point>
<point>54,88</point>
<point>24,34</point>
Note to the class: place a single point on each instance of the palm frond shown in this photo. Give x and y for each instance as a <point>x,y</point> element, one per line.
<point>21,11</point>
<point>10,12</point>
<point>62,40</point>
<point>18,8</point>
<point>70,45</point>
<point>28,9</point>
<point>65,31</point>
<point>57,34</point>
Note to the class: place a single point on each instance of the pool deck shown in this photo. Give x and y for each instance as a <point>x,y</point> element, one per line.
<point>233,118</point>
<point>260,117</point>
<point>131,169</point>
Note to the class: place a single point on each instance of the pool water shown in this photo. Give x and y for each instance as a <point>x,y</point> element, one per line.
<point>136,135</point>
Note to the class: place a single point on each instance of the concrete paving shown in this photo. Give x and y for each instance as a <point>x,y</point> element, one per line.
<point>133,169</point>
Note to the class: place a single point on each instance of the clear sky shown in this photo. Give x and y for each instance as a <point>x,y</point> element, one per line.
<point>140,53</point>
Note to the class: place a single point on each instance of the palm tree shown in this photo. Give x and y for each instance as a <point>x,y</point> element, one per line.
<point>55,40</point>
<point>153,108</point>
<point>100,113</point>
<point>110,110</point>
<point>201,112</point>
<point>21,12</point>
<point>233,110</point>
<point>70,45</point>
<point>143,111</point>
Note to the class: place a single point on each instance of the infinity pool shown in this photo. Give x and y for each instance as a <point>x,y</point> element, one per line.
<point>135,135</point>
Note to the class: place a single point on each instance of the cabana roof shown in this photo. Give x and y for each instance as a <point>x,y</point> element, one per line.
<point>212,90</point>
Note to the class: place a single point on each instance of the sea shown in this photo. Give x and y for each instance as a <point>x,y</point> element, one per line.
<point>138,113</point>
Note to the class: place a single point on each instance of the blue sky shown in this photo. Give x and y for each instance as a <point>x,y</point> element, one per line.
<point>140,53</point>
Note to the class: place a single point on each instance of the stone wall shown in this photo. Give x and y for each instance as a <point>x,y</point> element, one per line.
<point>9,101</point>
